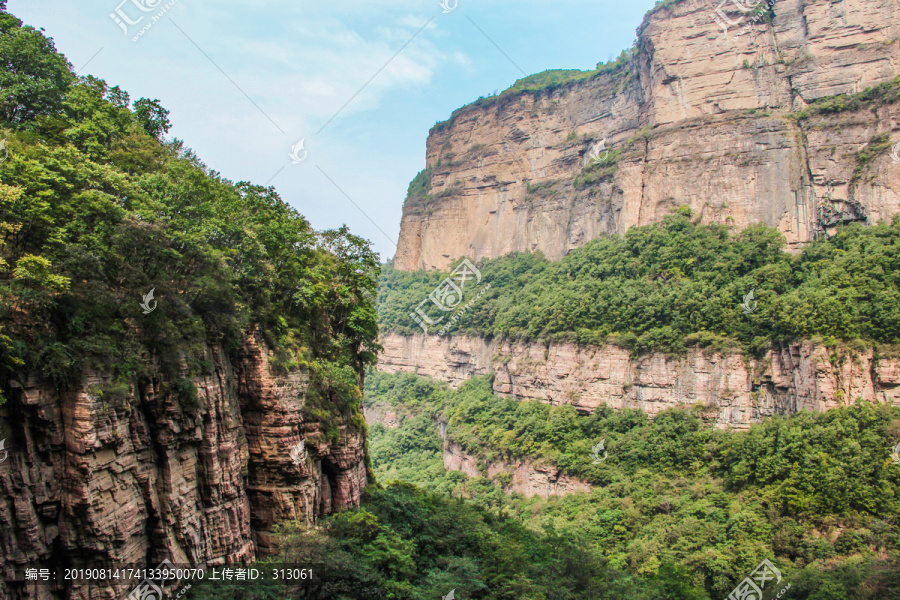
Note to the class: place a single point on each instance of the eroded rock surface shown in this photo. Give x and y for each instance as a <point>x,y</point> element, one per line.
<point>734,391</point>
<point>98,479</point>
<point>701,119</point>
<point>525,478</point>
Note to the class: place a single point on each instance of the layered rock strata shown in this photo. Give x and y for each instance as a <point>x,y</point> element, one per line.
<point>95,478</point>
<point>696,116</point>
<point>733,391</point>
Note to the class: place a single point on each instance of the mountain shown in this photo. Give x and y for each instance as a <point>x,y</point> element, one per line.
<point>184,360</point>
<point>786,118</point>
<point>675,341</point>
<point>181,356</point>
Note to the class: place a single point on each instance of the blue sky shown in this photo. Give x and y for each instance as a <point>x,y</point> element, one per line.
<point>245,82</point>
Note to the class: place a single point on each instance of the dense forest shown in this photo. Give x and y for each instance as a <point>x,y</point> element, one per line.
<point>676,501</point>
<point>677,283</point>
<point>97,210</point>
<point>678,510</point>
<point>103,217</point>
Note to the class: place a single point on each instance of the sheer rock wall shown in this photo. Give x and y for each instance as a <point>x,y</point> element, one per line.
<point>94,479</point>
<point>734,391</point>
<point>702,119</point>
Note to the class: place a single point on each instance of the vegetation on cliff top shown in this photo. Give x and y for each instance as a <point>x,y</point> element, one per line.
<point>545,81</point>
<point>674,499</point>
<point>675,284</point>
<point>552,79</point>
<point>97,210</point>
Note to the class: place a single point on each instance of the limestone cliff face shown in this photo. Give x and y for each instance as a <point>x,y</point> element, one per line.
<point>524,478</point>
<point>700,117</point>
<point>733,390</point>
<point>93,480</point>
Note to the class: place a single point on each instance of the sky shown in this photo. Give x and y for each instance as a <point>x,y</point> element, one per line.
<point>331,101</point>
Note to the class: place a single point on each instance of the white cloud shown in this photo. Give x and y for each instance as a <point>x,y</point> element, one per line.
<point>418,21</point>
<point>320,63</point>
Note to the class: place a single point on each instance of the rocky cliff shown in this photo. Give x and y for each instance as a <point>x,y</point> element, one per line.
<point>734,391</point>
<point>696,115</point>
<point>523,477</point>
<point>95,478</point>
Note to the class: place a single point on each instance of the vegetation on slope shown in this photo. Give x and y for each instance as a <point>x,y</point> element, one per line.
<point>815,493</point>
<point>674,284</point>
<point>543,82</point>
<point>868,99</point>
<point>97,210</point>
<point>419,200</point>
<point>406,544</point>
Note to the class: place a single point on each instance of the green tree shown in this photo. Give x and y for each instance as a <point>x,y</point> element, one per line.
<point>152,117</point>
<point>33,76</point>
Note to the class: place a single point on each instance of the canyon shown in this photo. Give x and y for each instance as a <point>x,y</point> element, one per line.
<point>694,115</point>
<point>201,466</point>
<point>730,390</point>
<point>96,478</point>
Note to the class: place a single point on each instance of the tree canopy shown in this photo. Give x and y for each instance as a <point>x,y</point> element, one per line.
<point>97,209</point>
<point>677,283</point>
